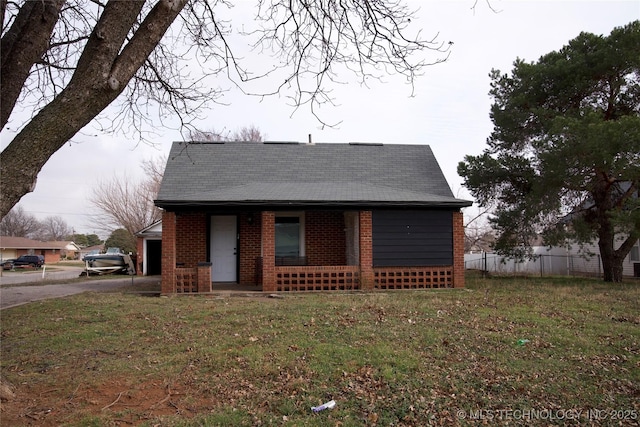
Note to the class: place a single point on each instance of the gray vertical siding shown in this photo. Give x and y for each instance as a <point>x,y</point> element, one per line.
<point>405,238</point>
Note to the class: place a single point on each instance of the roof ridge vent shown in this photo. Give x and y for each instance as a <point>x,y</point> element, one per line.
<point>368,144</point>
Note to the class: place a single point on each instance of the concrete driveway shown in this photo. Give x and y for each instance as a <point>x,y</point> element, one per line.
<point>39,275</point>
<point>12,294</point>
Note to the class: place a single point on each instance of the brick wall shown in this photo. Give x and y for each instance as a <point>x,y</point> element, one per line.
<point>184,241</point>
<point>204,276</point>
<point>325,241</point>
<point>458,250</point>
<point>51,256</point>
<point>268,251</point>
<point>168,253</point>
<point>249,247</point>
<point>366,250</point>
<point>325,238</point>
<point>191,238</point>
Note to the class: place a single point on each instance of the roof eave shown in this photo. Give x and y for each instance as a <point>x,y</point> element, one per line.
<point>455,203</point>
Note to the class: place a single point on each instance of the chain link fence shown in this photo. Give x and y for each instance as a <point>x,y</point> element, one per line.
<point>541,265</point>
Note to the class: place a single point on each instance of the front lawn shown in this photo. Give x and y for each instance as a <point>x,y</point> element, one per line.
<point>503,350</point>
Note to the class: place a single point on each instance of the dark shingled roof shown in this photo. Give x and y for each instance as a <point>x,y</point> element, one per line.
<point>292,174</point>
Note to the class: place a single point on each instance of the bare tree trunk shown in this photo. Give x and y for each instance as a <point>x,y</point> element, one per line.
<point>102,73</point>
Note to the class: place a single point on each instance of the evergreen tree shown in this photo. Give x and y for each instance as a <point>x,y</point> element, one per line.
<point>564,157</point>
<point>122,239</point>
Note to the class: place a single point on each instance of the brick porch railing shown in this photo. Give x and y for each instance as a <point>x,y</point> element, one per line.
<point>317,278</point>
<point>412,277</point>
<point>331,278</point>
<point>193,280</point>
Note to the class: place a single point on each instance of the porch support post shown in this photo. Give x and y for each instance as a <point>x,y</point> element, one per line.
<point>168,253</point>
<point>458,250</point>
<point>366,250</point>
<point>268,251</point>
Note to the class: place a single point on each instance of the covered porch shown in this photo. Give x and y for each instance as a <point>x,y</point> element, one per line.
<point>333,251</point>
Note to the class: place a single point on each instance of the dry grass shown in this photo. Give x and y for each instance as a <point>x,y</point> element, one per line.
<point>441,357</point>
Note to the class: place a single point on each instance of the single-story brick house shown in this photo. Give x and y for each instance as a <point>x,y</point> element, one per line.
<point>295,217</point>
<point>12,247</point>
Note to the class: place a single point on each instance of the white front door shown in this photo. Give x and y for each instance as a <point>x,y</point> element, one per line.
<point>224,242</point>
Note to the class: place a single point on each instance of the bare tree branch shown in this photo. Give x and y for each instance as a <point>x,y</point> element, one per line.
<point>244,134</point>
<point>54,228</point>
<point>126,204</point>
<point>19,223</point>
<point>155,56</point>
<point>23,45</point>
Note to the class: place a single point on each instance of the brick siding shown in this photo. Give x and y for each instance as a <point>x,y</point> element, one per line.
<point>250,247</point>
<point>268,251</point>
<point>168,253</point>
<point>366,250</point>
<point>325,238</point>
<point>458,250</point>
<point>191,238</point>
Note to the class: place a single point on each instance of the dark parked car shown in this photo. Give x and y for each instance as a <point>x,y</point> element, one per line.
<point>24,261</point>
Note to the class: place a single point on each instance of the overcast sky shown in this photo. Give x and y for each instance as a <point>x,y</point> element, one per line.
<point>449,112</point>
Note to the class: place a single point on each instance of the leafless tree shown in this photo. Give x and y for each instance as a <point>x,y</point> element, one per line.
<point>54,228</point>
<point>244,134</point>
<point>19,223</point>
<point>154,171</point>
<point>478,237</point>
<point>248,134</point>
<point>124,203</point>
<point>65,61</point>
<point>478,234</point>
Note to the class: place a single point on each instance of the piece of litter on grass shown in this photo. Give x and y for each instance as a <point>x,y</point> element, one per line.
<point>330,404</point>
<point>522,341</point>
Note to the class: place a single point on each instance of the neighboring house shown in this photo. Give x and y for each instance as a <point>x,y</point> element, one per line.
<point>295,217</point>
<point>12,247</point>
<point>578,260</point>
<point>575,260</point>
<point>149,250</point>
